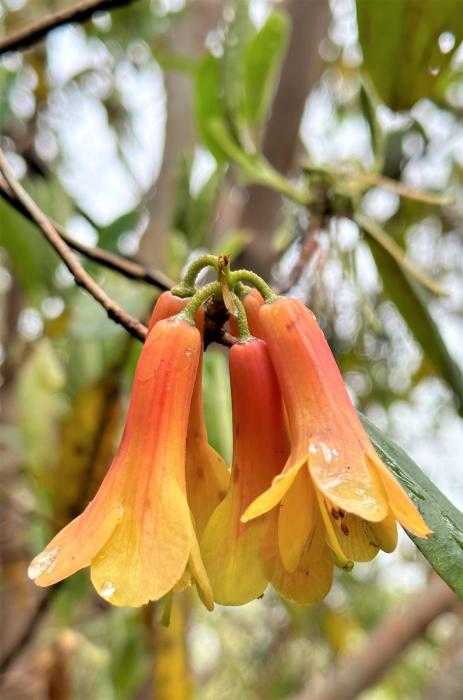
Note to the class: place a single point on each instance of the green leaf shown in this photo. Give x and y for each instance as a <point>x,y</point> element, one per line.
<point>217,403</point>
<point>264,57</point>
<point>369,105</point>
<point>411,302</point>
<point>33,259</point>
<point>400,49</point>
<point>237,36</point>
<point>210,108</point>
<point>444,548</point>
<point>108,236</point>
<point>374,231</point>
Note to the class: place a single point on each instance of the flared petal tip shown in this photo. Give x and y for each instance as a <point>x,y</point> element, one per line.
<point>42,566</point>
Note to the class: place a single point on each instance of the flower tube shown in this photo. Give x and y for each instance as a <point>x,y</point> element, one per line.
<point>231,550</point>
<point>332,458</point>
<point>137,534</point>
<point>207,474</point>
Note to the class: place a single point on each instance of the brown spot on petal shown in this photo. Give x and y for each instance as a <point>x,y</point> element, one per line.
<point>344,528</point>
<point>335,513</point>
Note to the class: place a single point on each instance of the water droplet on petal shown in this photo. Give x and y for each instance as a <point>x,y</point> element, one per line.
<point>313,449</point>
<point>43,563</point>
<point>327,454</point>
<point>107,589</point>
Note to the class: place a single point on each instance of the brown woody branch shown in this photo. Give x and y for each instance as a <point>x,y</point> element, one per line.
<point>129,268</point>
<point>81,276</point>
<point>360,670</point>
<point>34,32</point>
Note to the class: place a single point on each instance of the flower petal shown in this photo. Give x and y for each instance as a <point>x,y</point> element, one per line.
<point>351,486</point>
<point>296,520</point>
<point>230,551</point>
<point>385,533</point>
<point>401,505</point>
<point>199,573</point>
<point>273,495</point>
<point>354,536</point>
<point>74,546</point>
<point>313,578</point>
<point>149,549</point>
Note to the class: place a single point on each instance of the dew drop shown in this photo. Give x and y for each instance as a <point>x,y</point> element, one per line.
<point>327,454</point>
<point>313,449</point>
<point>44,563</point>
<point>107,589</point>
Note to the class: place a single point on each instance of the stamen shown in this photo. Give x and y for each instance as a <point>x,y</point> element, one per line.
<point>340,558</point>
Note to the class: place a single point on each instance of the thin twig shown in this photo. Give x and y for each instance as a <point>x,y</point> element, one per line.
<point>129,268</point>
<point>34,32</point>
<point>82,278</point>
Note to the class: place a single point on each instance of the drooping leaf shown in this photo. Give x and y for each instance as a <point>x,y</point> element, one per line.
<point>237,36</point>
<point>375,232</point>
<point>410,300</point>
<point>369,105</point>
<point>444,548</point>
<point>210,107</point>
<point>263,62</point>
<point>108,236</point>
<point>400,48</point>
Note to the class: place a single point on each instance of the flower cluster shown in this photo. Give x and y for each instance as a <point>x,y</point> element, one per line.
<point>306,489</point>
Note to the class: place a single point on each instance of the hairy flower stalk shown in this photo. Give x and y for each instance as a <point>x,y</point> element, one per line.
<point>137,533</point>
<point>333,471</point>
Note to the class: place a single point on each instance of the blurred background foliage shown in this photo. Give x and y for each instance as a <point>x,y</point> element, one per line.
<point>295,136</point>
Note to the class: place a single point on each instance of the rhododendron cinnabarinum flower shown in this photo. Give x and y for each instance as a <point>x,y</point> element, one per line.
<point>137,534</point>
<point>205,471</point>
<point>231,550</point>
<point>332,467</point>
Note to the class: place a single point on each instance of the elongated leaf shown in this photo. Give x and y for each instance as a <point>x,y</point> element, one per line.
<point>263,62</point>
<point>369,104</point>
<point>400,49</point>
<point>411,303</point>
<point>238,34</point>
<point>444,548</point>
<point>373,230</point>
<point>210,108</point>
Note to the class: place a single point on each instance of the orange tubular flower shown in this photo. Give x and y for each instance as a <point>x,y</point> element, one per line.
<point>333,469</point>
<point>230,549</point>
<point>206,473</point>
<point>137,534</point>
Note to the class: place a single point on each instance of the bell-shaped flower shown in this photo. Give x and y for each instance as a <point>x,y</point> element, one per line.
<point>137,533</point>
<point>231,550</point>
<point>332,464</point>
<point>206,473</point>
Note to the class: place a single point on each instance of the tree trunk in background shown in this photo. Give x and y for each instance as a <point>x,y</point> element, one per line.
<point>186,39</point>
<point>301,70</point>
<point>384,646</point>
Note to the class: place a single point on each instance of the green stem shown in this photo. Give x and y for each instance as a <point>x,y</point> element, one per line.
<point>198,300</point>
<point>241,320</point>
<point>187,286</point>
<point>255,281</point>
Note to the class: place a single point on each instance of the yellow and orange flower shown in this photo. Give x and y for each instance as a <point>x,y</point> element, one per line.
<point>231,550</point>
<point>333,471</point>
<point>137,533</point>
<point>206,473</point>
